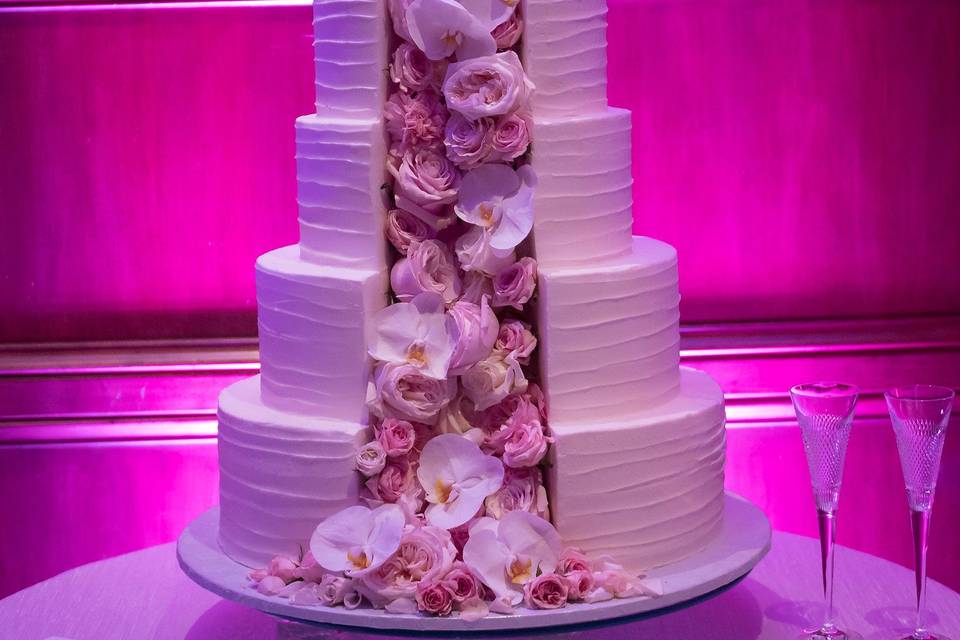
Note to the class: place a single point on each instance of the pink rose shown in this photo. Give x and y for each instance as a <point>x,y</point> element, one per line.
<point>428,267</point>
<point>476,285</point>
<point>475,253</point>
<point>474,329</point>
<point>433,598</point>
<point>309,569</point>
<point>508,33</point>
<point>522,490</point>
<point>487,86</point>
<point>396,437</point>
<point>468,142</point>
<point>453,419</point>
<point>546,591</point>
<point>516,339</point>
<point>398,15</point>
<point>402,391</point>
<point>370,459</point>
<point>426,179</point>
<point>514,286</point>
<point>284,568</point>
<point>332,589</point>
<point>403,229</point>
<point>394,481</point>
<point>579,584</point>
<point>425,553</point>
<point>415,122</point>
<point>510,138</point>
<point>525,444</point>
<point>462,583</point>
<point>491,380</point>
<point>413,71</point>
<point>572,559</point>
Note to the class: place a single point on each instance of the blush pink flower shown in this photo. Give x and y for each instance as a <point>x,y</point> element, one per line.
<point>426,182</point>
<point>500,201</point>
<point>477,256</point>
<point>415,121</point>
<point>525,443</point>
<point>491,380</point>
<point>510,138</point>
<point>397,437</point>
<point>309,569</point>
<point>573,559</point>
<point>515,339</point>
<point>370,459</point>
<point>398,16</point>
<point>433,598</point>
<point>522,490</point>
<point>284,568</point>
<point>442,28</point>
<point>468,142</point>
<point>403,391</point>
<point>487,86</point>
<point>580,584</point>
<point>424,553</point>
<point>394,481</point>
<point>462,583</point>
<point>514,286</point>
<point>548,591</point>
<point>507,34</point>
<point>271,585</point>
<point>474,330</point>
<point>413,71</point>
<point>402,229</point>
<point>428,268</point>
<point>332,589</point>
<point>476,285</point>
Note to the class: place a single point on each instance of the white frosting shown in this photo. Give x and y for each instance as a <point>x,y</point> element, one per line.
<point>280,474</point>
<point>565,55</point>
<point>340,170</point>
<point>609,334</point>
<point>350,52</point>
<point>583,202</point>
<point>648,490</point>
<point>313,354</point>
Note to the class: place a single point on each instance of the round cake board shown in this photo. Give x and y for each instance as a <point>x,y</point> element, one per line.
<point>742,541</point>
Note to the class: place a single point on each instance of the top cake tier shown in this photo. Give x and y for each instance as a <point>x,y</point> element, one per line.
<point>564,54</point>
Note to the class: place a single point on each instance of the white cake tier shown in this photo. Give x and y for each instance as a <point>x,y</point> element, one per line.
<point>583,202</point>
<point>647,491</point>
<point>350,53</point>
<point>280,474</point>
<point>313,354</point>
<point>340,170</point>
<point>565,55</point>
<point>609,335</point>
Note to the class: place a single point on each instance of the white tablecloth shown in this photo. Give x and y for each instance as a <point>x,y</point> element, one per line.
<point>144,595</point>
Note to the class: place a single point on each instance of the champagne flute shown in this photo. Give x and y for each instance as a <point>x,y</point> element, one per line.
<point>920,414</point>
<point>825,413</point>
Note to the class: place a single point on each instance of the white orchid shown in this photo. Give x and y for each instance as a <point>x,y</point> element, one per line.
<point>456,477</point>
<point>413,333</point>
<point>491,13</point>
<point>500,200</point>
<point>357,540</point>
<point>441,28</point>
<point>508,553</point>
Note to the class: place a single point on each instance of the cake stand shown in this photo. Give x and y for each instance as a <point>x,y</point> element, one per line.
<point>742,541</point>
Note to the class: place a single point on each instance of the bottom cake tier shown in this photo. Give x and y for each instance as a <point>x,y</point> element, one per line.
<point>649,490</point>
<point>280,474</point>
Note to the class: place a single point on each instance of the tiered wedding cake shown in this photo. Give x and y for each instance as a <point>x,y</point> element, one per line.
<point>465,215</point>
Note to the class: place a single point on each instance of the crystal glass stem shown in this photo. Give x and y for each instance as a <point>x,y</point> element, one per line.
<point>828,535</point>
<point>920,523</point>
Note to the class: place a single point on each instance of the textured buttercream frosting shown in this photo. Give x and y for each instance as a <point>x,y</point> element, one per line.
<point>312,320</point>
<point>648,490</point>
<point>340,170</point>
<point>609,334</point>
<point>280,474</point>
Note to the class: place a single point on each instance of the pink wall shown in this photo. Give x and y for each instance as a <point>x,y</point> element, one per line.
<point>801,155</point>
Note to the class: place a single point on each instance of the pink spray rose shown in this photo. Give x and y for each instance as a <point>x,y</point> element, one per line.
<point>428,267</point>
<point>402,391</point>
<point>394,481</point>
<point>491,380</point>
<point>398,16</point>
<point>433,598</point>
<point>415,122</point>
<point>487,86</point>
<point>468,142</point>
<point>332,589</point>
<point>572,559</point>
<point>403,228</point>
<point>413,71</point>
<point>506,34</point>
<point>579,584</point>
<point>522,490</point>
<point>474,329</point>
<point>462,583</point>
<point>476,285</point>
<point>526,443</point>
<point>427,180</point>
<point>475,253</point>
<point>397,437</point>
<point>284,568</point>
<point>510,138</point>
<point>309,569</point>
<point>514,286</point>
<point>546,591</point>
<point>515,338</point>
<point>370,459</point>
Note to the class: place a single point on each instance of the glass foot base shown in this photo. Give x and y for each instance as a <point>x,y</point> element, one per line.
<point>831,634</point>
<point>929,635</point>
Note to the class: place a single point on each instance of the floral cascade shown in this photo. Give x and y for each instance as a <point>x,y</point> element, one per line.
<point>456,514</point>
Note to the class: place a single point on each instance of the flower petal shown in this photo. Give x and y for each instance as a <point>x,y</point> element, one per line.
<point>516,220</point>
<point>441,28</point>
<point>491,13</point>
<point>483,185</point>
<point>384,537</point>
<point>338,534</point>
<point>393,330</point>
<point>488,557</point>
<point>529,535</point>
<point>451,460</point>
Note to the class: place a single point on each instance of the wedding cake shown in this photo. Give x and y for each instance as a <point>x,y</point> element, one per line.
<point>469,366</point>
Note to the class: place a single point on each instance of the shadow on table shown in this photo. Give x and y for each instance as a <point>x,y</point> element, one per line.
<point>228,620</point>
<point>899,620</point>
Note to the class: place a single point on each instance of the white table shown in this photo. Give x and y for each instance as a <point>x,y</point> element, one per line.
<point>144,595</point>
